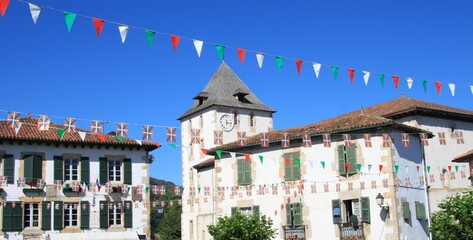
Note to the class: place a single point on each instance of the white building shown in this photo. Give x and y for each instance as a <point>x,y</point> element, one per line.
<point>49,186</point>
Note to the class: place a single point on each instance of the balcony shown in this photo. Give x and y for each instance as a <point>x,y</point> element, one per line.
<point>351,231</point>
<point>296,232</point>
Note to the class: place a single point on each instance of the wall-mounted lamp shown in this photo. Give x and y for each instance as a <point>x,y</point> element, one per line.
<point>380,202</point>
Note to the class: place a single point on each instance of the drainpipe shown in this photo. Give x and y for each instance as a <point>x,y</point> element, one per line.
<point>426,191</point>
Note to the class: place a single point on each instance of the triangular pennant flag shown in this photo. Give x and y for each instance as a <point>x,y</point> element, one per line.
<point>396,81</point>
<point>298,65</point>
<point>409,82</point>
<point>173,145</point>
<point>317,67</point>
<point>220,51</point>
<point>418,168</point>
<point>366,76</point>
<point>449,168</point>
<point>261,159</point>
<point>407,169</point>
<point>358,166</point>
<point>138,141</point>
<point>381,167</point>
<point>456,168</point>
<point>424,83</point>
<point>369,167</point>
<point>98,23</point>
<point>123,29</point>
<point>351,73</point>
<point>241,54</point>
<point>17,129</point>
<point>247,157</point>
<point>381,79</point>
<point>280,62</point>
<point>323,164</point>
<point>198,46</point>
<point>428,169</point>
<point>69,17</point>
<point>396,168</point>
<point>347,165</point>
<point>233,155</point>
<point>3,6</point>
<point>287,161</point>
<point>260,58</point>
<point>61,132</point>
<point>204,150</point>
<point>275,159</point>
<point>101,137</point>
<point>298,161</point>
<point>175,41</point>
<point>35,10</point>
<point>219,153</point>
<point>120,139</point>
<point>452,88</point>
<point>335,72</point>
<point>438,85</point>
<point>82,135</point>
<point>150,36</point>
<point>471,89</point>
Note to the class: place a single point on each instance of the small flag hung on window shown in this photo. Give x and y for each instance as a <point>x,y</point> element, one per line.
<point>241,136</point>
<point>306,141</point>
<point>171,134</point>
<point>442,140</point>
<point>96,127</point>
<point>386,140</point>
<point>70,125</point>
<point>264,139</point>
<point>347,140</point>
<point>43,123</point>
<point>285,142</point>
<point>122,129</point>
<point>195,136</point>
<point>326,140</point>
<point>424,139</point>
<point>367,138</point>
<point>147,132</point>
<point>459,135</point>
<point>177,190</point>
<point>13,120</point>
<point>218,137</point>
<point>405,140</point>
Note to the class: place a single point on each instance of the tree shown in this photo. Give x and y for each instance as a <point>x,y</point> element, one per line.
<point>455,219</point>
<point>242,227</point>
<point>170,226</point>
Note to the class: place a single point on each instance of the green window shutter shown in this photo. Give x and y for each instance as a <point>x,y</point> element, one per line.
<point>256,210</point>
<point>288,214</point>
<point>234,210</point>
<point>9,168</point>
<point>58,215</point>
<point>45,216</point>
<point>336,211</point>
<point>28,168</point>
<point>341,160</point>
<point>84,215</point>
<point>351,158</point>
<point>288,167</point>
<point>103,171</point>
<point>420,211</point>
<point>85,170</point>
<point>17,223</point>
<point>104,214</point>
<point>128,215</point>
<point>7,217</point>
<point>58,168</point>
<point>240,171</point>
<point>406,212</point>
<point>37,168</point>
<point>297,207</point>
<point>365,210</point>
<point>247,172</point>
<point>127,167</point>
<point>296,169</point>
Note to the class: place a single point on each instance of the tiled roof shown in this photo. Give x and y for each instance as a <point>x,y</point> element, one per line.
<point>466,157</point>
<point>29,132</point>
<point>220,91</point>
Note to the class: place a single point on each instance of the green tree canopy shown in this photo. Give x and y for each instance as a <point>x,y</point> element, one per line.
<point>242,227</point>
<point>170,227</point>
<point>455,219</point>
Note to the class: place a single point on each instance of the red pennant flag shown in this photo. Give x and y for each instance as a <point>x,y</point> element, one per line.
<point>418,167</point>
<point>3,6</point>
<point>247,157</point>
<point>351,72</point>
<point>380,167</point>
<point>438,85</point>
<point>298,65</point>
<point>241,54</point>
<point>98,25</point>
<point>175,41</point>
<point>396,81</point>
<point>287,161</point>
<point>101,137</point>
<point>449,168</point>
<point>204,150</point>
<point>347,165</point>
<point>157,144</point>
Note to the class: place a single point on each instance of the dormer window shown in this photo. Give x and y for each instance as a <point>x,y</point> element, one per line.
<point>240,95</point>
<point>202,97</point>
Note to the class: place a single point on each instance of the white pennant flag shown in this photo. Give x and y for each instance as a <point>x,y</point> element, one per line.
<point>409,82</point>
<point>311,162</point>
<point>198,46</point>
<point>317,68</point>
<point>18,128</point>
<point>471,88</point>
<point>366,76</point>
<point>138,141</point>
<point>407,169</point>
<point>35,10</point>
<point>274,160</point>
<point>82,135</point>
<point>123,32</point>
<point>452,88</point>
<point>260,58</point>
<point>233,155</point>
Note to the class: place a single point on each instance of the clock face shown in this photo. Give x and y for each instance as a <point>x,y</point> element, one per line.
<point>226,122</point>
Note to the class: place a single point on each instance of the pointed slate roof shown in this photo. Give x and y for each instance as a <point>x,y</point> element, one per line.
<point>221,91</point>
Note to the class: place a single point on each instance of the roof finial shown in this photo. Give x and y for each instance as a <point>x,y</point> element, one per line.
<point>362,110</point>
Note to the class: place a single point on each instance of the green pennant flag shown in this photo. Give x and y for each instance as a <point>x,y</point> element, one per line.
<point>428,169</point>
<point>220,50</point>
<point>173,145</point>
<point>298,161</point>
<point>456,168</point>
<point>335,72</point>
<point>396,168</point>
<point>147,189</point>
<point>323,164</point>
<point>61,132</point>
<point>261,159</point>
<point>381,79</point>
<point>150,37</point>
<point>198,189</point>
<point>182,189</point>
<point>424,82</point>
<point>67,185</point>
<point>120,139</point>
<point>280,62</point>
<point>69,17</point>
<point>219,153</point>
<point>358,166</point>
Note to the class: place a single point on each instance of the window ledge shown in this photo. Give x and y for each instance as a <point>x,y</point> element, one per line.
<point>32,231</point>
<point>116,228</point>
<point>72,229</point>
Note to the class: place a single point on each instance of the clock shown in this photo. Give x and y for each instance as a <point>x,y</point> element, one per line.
<point>226,122</point>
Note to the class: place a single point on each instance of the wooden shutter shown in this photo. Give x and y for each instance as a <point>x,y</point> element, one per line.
<point>7,217</point>
<point>85,170</point>
<point>336,211</point>
<point>104,214</point>
<point>256,211</point>
<point>84,215</point>
<point>103,171</point>
<point>28,168</point>
<point>127,167</point>
<point>37,168</point>
<point>406,212</point>
<point>58,168</point>
<point>365,210</point>
<point>9,168</point>
<point>341,160</point>
<point>247,172</point>
<point>234,210</point>
<point>296,169</point>
<point>288,214</point>
<point>297,207</point>
<point>128,214</point>
<point>58,215</point>
<point>420,211</point>
<point>240,171</point>
<point>17,223</point>
<point>45,216</point>
<point>288,167</point>
<point>351,158</point>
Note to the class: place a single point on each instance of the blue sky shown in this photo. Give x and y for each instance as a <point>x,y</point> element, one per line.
<point>46,70</point>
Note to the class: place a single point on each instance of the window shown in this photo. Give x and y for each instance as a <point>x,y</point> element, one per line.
<point>235,117</point>
<point>31,213</point>
<point>114,215</point>
<point>420,211</point>
<point>347,160</point>
<point>292,169</point>
<point>33,168</point>
<point>70,169</point>
<point>9,168</point>
<point>70,215</point>
<point>294,214</point>
<point>406,211</point>
<point>247,210</point>
<point>244,172</point>
<point>252,119</point>
<point>114,170</point>
<point>12,217</point>
<point>351,210</point>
